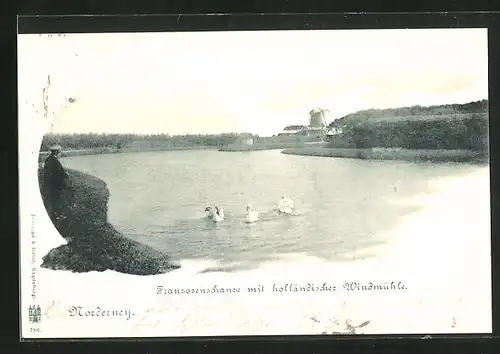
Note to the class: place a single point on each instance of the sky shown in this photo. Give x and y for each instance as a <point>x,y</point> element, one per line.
<point>252,81</point>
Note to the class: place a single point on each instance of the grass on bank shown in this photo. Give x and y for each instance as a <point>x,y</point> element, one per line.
<point>93,243</point>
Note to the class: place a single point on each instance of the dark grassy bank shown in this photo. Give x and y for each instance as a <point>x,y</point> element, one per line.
<point>468,156</point>
<point>93,243</point>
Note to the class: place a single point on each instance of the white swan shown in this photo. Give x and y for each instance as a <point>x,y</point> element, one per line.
<point>217,217</point>
<point>285,205</point>
<point>209,211</point>
<point>215,214</point>
<point>252,215</point>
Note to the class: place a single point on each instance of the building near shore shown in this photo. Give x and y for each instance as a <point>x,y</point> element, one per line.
<point>247,141</point>
<point>317,126</point>
<point>292,130</point>
<point>334,131</point>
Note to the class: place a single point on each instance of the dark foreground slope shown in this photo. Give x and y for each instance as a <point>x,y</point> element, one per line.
<point>93,243</point>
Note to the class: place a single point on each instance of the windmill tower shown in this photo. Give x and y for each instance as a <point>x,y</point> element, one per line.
<point>317,118</point>
<point>317,126</point>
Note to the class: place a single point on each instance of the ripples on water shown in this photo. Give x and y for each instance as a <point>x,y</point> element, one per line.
<point>342,205</point>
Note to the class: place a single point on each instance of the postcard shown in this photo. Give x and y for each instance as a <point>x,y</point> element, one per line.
<point>245,183</point>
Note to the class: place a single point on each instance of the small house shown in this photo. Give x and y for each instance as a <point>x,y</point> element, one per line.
<point>334,131</point>
<point>247,141</point>
<point>292,130</point>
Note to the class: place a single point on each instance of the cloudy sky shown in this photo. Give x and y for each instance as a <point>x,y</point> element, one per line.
<point>208,82</point>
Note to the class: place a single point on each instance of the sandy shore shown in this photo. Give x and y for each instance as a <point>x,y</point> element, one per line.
<point>441,255</point>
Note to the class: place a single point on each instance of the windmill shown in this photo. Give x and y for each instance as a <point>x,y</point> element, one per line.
<point>317,118</point>
<point>317,123</point>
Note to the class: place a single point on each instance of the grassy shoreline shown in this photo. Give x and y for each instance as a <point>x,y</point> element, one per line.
<point>228,148</point>
<point>261,147</point>
<point>315,150</point>
<point>101,151</point>
<point>466,156</point>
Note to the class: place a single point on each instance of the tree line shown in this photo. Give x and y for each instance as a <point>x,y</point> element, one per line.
<point>119,141</point>
<point>435,127</point>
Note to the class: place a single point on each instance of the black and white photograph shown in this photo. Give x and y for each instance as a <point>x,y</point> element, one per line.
<point>238,183</point>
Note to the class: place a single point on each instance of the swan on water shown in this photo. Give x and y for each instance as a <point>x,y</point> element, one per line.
<point>219,212</point>
<point>216,213</point>
<point>285,205</point>
<point>209,211</point>
<point>252,215</point>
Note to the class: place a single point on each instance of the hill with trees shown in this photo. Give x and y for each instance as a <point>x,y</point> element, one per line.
<point>414,112</point>
<point>451,126</point>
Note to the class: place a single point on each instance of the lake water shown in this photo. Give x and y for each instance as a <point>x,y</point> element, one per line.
<point>345,208</point>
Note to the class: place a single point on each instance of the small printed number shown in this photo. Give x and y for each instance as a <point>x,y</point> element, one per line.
<point>35,330</point>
